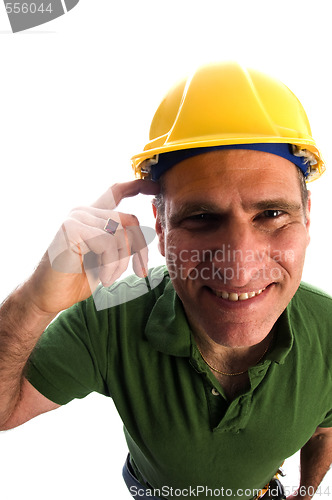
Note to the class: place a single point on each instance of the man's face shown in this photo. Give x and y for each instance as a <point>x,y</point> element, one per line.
<point>234,238</point>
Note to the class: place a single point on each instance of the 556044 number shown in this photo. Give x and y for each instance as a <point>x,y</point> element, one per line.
<point>28,8</point>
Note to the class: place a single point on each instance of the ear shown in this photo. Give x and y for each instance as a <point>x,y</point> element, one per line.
<point>160,231</point>
<point>307,214</point>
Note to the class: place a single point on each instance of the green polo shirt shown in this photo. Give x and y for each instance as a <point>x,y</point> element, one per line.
<point>185,438</point>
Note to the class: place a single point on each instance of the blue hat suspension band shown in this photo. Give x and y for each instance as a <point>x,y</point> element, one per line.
<point>167,160</point>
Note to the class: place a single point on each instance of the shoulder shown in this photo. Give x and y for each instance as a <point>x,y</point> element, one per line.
<point>314,298</point>
<point>132,291</point>
<point>126,304</point>
<point>311,310</point>
<point>128,301</point>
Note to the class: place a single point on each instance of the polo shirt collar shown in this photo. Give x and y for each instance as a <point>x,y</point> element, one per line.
<point>168,331</point>
<point>284,338</point>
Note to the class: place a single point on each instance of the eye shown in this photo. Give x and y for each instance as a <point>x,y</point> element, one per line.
<point>201,221</point>
<point>271,218</point>
<point>272,214</point>
<point>203,217</point>
<point>199,217</point>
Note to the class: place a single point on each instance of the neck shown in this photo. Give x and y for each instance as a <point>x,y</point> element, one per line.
<point>232,360</point>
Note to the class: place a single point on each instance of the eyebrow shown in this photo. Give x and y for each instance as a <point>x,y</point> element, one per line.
<point>190,208</point>
<point>279,203</point>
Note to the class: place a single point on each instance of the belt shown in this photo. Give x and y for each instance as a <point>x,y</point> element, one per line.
<point>274,490</point>
<point>136,489</point>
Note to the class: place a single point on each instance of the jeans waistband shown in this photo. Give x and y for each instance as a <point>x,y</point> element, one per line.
<point>136,489</point>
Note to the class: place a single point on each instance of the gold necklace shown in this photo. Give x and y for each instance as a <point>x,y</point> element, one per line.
<point>231,374</point>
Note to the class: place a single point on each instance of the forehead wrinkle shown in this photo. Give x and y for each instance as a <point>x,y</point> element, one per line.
<point>186,189</point>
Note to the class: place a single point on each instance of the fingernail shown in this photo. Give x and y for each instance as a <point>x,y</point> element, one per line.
<point>145,272</point>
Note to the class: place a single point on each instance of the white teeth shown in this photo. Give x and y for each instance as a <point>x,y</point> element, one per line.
<point>234,297</point>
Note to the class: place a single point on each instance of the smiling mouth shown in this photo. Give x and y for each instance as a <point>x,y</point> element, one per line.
<point>234,297</point>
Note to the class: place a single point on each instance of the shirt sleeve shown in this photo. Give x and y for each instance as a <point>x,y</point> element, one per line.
<point>70,359</point>
<point>327,422</point>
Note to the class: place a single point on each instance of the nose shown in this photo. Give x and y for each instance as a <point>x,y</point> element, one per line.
<point>241,253</point>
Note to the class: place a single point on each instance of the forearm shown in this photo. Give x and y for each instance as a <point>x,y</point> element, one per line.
<point>21,324</point>
<point>316,459</point>
<point>61,280</point>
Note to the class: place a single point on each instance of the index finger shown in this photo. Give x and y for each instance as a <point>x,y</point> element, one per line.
<point>117,192</point>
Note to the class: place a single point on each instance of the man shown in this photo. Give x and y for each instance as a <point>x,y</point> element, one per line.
<point>218,364</point>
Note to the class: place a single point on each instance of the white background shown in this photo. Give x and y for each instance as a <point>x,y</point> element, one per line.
<point>76,99</point>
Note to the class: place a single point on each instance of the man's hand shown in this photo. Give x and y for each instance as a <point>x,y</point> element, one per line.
<point>82,254</point>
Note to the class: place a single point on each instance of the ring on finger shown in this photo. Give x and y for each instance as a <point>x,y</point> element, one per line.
<point>111,226</point>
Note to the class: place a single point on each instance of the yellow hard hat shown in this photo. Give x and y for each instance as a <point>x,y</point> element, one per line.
<point>225,104</point>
